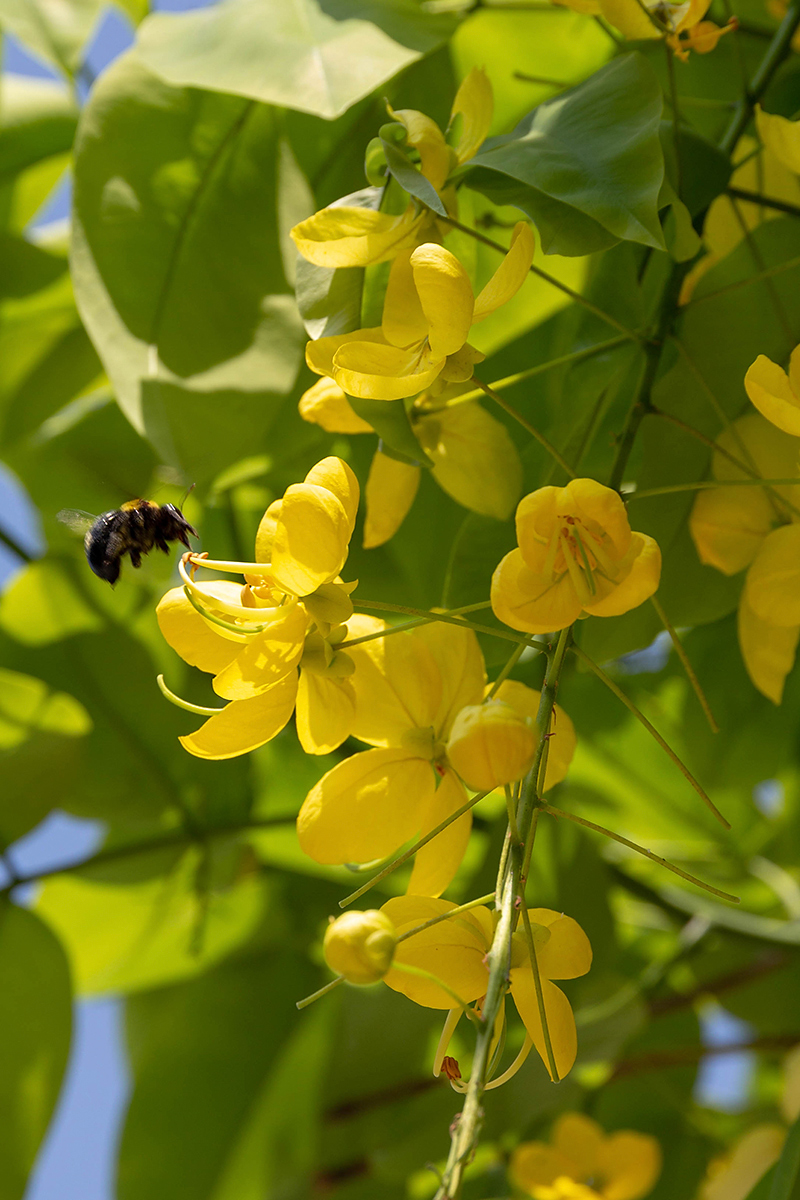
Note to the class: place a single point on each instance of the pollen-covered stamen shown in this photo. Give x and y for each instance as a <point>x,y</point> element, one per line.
<point>451,1020</point>
<point>450,1068</point>
<point>582,589</point>
<point>587,566</point>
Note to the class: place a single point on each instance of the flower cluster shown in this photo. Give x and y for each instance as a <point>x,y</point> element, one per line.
<point>681,25</point>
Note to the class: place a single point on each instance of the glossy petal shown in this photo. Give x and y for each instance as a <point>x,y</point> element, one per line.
<point>728,526</point>
<point>311,539</point>
<point>265,535</point>
<point>427,138</point>
<point>474,458</point>
<point>326,708</point>
<point>510,275</point>
<point>600,509</point>
<point>320,353</point>
<point>243,725</point>
<point>267,659</point>
<point>781,136</point>
<point>462,674</point>
<point>563,740</point>
<point>345,236</point>
<point>579,1140</point>
<point>631,1164</point>
<point>334,474</point>
<point>459,367</point>
<point>638,585</point>
<point>403,322</point>
<point>397,682</point>
<point>379,372</point>
<point>435,865</point>
<point>531,602</point>
<point>772,587</point>
<point>445,294</point>
<point>770,389</point>
<point>326,405</point>
<point>490,745</point>
<point>768,651</point>
<point>195,639</point>
<point>560,1021</point>
<point>474,103</point>
<point>454,951</point>
<point>365,807</point>
<point>391,488</point>
<point>567,954</point>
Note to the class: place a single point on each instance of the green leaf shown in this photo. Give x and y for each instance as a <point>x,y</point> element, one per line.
<point>587,166</point>
<point>410,178</point>
<point>35,1024</point>
<point>177,253</point>
<point>329,299</point>
<point>55,32</point>
<point>37,126</point>
<point>25,268</point>
<point>319,58</point>
<point>786,1180</point>
<point>389,419</point>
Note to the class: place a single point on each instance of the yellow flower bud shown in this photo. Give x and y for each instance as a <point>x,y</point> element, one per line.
<point>360,945</point>
<point>330,604</point>
<point>490,745</point>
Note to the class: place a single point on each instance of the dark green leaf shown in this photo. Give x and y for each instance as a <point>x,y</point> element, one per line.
<point>389,419</point>
<point>410,178</point>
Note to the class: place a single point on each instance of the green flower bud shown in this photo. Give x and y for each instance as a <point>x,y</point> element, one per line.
<point>490,745</point>
<point>330,604</point>
<point>360,946</point>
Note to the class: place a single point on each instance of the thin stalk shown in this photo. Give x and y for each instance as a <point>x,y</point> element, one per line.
<point>685,663</point>
<point>526,425</point>
<point>791,210</point>
<point>537,984</point>
<point>382,633</point>
<point>651,729</point>
<point>656,858</point>
<point>404,857</point>
<point>701,484</point>
<point>509,380</point>
<point>556,283</point>
<point>506,671</point>
<point>201,710</point>
<point>421,973</point>
<point>381,606</point>
<point>758,259</point>
<point>320,992</point>
<point>512,814</point>
<point>527,1046</point>
<point>452,912</point>
<point>676,116</point>
<point>788,265</point>
<point>777,50</point>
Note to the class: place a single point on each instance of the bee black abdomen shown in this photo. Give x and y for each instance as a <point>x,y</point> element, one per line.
<point>134,530</point>
<point>103,545</point>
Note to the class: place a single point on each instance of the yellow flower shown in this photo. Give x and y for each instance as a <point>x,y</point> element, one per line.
<point>271,643</point>
<point>490,745</point>
<point>733,1176</point>
<point>576,555</point>
<point>780,136</point>
<point>409,687</point>
<point>455,950</point>
<point>582,1162</point>
<point>562,740</point>
<point>348,236</point>
<point>474,459</point>
<point>738,527</point>
<point>360,945</point>
<point>775,393</point>
<point>428,311</point>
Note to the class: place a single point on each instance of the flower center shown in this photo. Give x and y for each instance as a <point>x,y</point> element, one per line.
<point>580,553</point>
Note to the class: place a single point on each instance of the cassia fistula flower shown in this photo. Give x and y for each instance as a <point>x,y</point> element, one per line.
<point>490,745</point>
<point>360,945</point>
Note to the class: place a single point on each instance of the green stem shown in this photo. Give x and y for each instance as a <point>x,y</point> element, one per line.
<point>782,206</point>
<point>701,484</point>
<point>506,671</point>
<point>788,265</point>
<point>685,663</point>
<point>381,606</point>
<point>684,770</point>
<point>451,912</point>
<point>623,841</point>
<point>320,992</point>
<point>537,985</point>
<point>382,633</point>
<point>777,50</point>
<point>526,425</point>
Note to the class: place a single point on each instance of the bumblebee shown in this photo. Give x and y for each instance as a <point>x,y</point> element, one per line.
<point>134,529</point>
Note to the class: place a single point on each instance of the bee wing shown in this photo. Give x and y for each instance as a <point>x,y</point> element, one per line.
<point>75,520</point>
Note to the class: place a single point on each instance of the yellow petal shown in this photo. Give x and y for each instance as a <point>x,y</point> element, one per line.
<point>325,711</point>
<point>629,18</point>
<point>562,741</point>
<point>427,138</point>
<point>630,1163</point>
<point>567,954</point>
<point>510,275</point>
<point>435,865</point>
<point>781,136</point>
<point>790,1096</point>
<point>772,586</point>
<point>459,367</point>
<point>454,951</point>
<point>345,236</point>
<point>321,353</point>
<point>403,322</point>
<point>311,539</point>
<point>398,686</point>
<point>391,488</point>
<point>462,674</point>
<point>365,808</point>
<point>267,658</point>
<point>752,1157</point>
<point>770,389</point>
<point>768,651</point>
<point>534,1165</point>
<point>475,460</point>
<point>560,1021</point>
<point>474,103</point>
<point>445,294</point>
<point>382,372</point>
<point>265,534</point>
<point>638,585</point>
<point>326,405</point>
<point>490,745</point>
<point>334,474</point>
<point>243,725</point>
<point>529,601</point>
<point>579,1140</point>
<point>195,639</point>
<point>728,526</point>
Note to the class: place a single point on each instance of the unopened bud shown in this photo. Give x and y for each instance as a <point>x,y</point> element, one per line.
<point>329,604</point>
<point>490,745</point>
<point>360,945</point>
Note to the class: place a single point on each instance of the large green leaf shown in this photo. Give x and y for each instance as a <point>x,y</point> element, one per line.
<point>56,32</point>
<point>177,252</point>
<point>37,125</point>
<point>35,1024</point>
<point>319,56</point>
<point>587,167</point>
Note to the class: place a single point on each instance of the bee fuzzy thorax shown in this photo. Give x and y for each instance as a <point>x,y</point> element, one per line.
<point>135,529</point>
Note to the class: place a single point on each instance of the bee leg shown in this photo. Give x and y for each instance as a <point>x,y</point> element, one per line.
<point>135,557</point>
